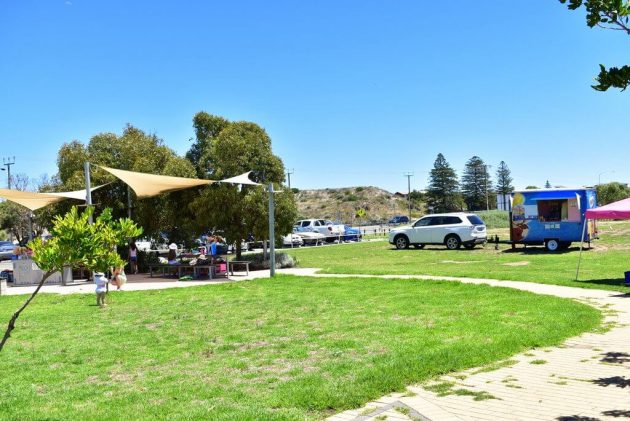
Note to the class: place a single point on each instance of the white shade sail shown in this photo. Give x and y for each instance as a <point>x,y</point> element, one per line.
<point>241,179</point>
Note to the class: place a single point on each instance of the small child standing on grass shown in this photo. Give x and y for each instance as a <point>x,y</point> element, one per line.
<point>101,288</point>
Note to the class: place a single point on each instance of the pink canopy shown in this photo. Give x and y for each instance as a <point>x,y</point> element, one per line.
<point>615,210</point>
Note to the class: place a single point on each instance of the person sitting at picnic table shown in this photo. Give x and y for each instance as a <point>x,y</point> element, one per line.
<point>172,254</point>
<point>211,248</point>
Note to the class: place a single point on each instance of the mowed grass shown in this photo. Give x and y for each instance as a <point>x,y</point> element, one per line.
<point>283,348</point>
<point>602,267</point>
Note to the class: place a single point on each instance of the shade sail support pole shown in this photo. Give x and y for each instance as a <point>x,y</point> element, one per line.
<point>88,188</point>
<point>272,236</point>
<point>577,272</point>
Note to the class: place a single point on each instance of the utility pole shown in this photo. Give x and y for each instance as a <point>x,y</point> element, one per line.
<point>7,162</point>
<point>409,175</point>
<point>289,177</point>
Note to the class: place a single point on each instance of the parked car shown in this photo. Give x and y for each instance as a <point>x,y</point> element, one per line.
<point>399,219</point>
<point>327,228</point>
<point>351,234</point>
<point>292,240</point>
<point>451,229</point>
<point>6,250</point>
<point>311,238</point>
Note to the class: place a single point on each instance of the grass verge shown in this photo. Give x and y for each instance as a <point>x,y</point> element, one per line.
<point>282,348</point>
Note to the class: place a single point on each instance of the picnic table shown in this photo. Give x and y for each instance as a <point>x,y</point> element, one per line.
<point>182,267</point>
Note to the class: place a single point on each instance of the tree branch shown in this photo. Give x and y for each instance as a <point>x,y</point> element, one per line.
<point>11,326</point>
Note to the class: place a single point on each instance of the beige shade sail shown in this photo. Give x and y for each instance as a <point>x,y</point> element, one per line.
<point>241,179</point>
<point>34,201</point>
<point>30,200</point>
<point>149,185</point>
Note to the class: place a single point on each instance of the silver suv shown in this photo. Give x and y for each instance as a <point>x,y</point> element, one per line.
<point>451,229</point>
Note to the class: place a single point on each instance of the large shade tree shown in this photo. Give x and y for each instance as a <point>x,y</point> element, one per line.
<point>134,150</point>
<point>443,191</point>
<point>233,149</point>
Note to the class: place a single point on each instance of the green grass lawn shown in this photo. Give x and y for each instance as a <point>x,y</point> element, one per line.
<point>602,268</point>
<point>283,348</point>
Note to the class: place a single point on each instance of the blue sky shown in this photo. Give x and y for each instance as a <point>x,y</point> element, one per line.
<point>351,93</point>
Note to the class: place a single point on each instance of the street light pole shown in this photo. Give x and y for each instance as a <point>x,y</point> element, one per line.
<point>289,177</point>
<point>599,176</point>
<point>409,175</point>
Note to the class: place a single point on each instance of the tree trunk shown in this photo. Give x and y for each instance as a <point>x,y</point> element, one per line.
<point>11,326</point>
<point>239,250</point>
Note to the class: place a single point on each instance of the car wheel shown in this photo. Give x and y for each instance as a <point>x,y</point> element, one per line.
<point>469,246</point>
<point>402,242</point>
<point>419,246</point>
<point>552,245</point>
<point>452,242</point>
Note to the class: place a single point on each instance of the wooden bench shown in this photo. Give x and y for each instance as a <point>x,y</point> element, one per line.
<point>232,263</point>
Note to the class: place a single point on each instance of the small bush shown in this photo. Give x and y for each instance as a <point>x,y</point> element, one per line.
<point>359,189</point>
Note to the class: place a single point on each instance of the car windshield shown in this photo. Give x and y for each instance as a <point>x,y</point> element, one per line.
<point>475,220</point>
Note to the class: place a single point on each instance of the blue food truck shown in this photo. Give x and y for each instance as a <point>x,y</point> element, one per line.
<point>553,217</point>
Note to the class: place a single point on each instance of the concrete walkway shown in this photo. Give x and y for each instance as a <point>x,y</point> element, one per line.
<point>585,379</point>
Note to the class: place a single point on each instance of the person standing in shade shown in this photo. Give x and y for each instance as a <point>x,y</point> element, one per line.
<point>133,257</point>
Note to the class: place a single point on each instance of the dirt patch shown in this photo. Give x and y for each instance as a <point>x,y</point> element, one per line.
<point>522,263</point>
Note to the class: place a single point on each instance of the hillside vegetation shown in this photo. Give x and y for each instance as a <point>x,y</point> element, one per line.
<point>342,204</point>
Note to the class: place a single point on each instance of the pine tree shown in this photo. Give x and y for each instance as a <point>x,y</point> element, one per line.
<point>443,191</point>
<point>547,185</point>
<point>504,179</point>
<point>476,184</point>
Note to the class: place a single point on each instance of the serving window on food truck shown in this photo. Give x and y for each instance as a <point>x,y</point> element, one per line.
<point>559,208</point>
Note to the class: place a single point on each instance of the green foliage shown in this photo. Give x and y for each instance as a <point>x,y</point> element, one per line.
<point>443,191</point>
<point>134,150</point>
<point>227,149</point>
<point>76,242</point>
<point>504,179</point>
<point>609,14</point>
<point>476,185</point>
<point>612,192</point>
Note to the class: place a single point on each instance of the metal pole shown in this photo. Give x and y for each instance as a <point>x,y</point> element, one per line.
<point>88,187</point>
<point>272,245</point>
<point>30,226</point>
<point>289,178</point>
<point>577,272</point>
<point>408,175</point>
<point>128,202</point>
